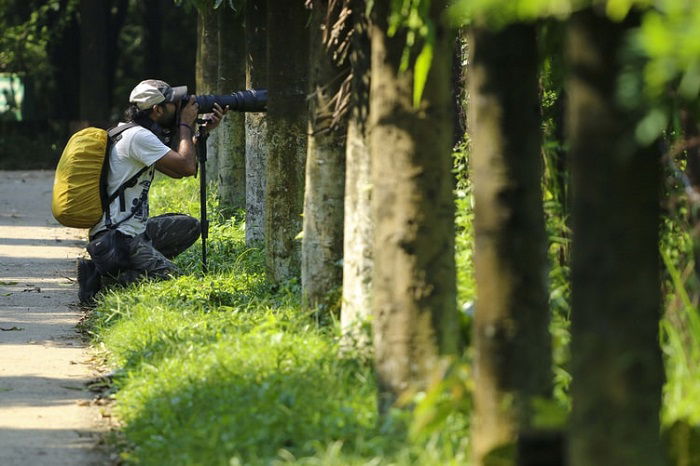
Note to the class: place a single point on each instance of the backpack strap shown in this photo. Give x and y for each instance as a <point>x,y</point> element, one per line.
<point>135,209</point>
<point>113,136</point>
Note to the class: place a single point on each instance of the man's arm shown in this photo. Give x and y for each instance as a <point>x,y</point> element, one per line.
<point>183,162</point>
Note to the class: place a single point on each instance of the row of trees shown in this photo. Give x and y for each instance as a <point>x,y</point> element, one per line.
<point>357,154</point>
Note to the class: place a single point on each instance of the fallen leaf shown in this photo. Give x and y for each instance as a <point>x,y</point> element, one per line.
<point>8,283</point>
<point>71,387</point>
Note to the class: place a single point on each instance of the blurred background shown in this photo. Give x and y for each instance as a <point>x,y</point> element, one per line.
<point>52,82</point>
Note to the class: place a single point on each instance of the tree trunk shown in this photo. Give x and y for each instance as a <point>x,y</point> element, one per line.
<point>288,69</point>
<point>359,225</point>
<point>94,73</point>
<point>118,10</point>
<point>616,363</point>
<point>511,337</point>
<point>153,38</point>
<point>322,244</point>
<point>414,291</point>
<point>207,72</point>
<point>65,92</point>
<point>255,123</point>
<point>231,154</point>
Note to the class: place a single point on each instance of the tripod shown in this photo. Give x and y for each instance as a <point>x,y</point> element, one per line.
<point>202,136</point>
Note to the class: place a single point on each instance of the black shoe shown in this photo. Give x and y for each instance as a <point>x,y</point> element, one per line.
<point>88,280</point>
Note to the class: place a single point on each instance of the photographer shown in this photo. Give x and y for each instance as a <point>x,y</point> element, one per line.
<point>126,244</point>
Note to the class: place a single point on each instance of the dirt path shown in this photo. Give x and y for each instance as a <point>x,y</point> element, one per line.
<point>44,415</point>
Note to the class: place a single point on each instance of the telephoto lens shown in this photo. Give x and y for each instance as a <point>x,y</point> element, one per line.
<point>249,100</point>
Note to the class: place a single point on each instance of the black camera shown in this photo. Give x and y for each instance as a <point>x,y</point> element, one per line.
<point>249,100</point>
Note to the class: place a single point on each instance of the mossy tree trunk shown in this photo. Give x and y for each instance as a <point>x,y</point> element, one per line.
<point>616,362</point>
<point>359,225</point>
<point>414,291</point>
<point>322,244</point>
<point>231,139</point>
<point>288,70</point>
<point>255,123</point>
<point>511,338</point>
<point>207,72</point>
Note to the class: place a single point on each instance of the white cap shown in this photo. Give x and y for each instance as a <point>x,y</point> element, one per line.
<point>153,92</point>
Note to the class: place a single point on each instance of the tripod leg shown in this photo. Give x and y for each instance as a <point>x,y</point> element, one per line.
<point>204,222</point>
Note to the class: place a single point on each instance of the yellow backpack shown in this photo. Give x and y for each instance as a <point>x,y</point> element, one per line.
<point>80,184</point>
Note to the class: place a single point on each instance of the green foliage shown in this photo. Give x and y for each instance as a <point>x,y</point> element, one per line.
<point>499,13</point>
<point>669,37</point>
<point>555,190</point>
<point>464,235</point>
<point>660,62</point>
<point>413,16</point>
<point>680,327</point>
<point>27,28</point>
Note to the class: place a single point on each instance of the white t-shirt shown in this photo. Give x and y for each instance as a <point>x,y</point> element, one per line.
<point>137,148</point>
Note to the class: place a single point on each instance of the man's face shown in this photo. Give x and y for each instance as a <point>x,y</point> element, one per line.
<point>166,119</point>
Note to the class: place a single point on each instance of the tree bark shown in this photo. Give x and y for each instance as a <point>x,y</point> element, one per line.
<point>414,292</point>
<point>256,123</point>
<point>359,225</point>
<point>62,89</point>
<point>231,154</point>
<point>616,363</point>
<point>288,69</point>
<point>153,38</point>
<point>322,244</point>
<point>94,73</point>
<point>511,337</point>
<point>207,72</point>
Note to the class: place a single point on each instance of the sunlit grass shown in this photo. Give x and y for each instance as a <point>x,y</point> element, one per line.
<point>225,368</point>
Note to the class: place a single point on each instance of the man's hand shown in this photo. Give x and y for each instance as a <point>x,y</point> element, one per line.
<point>188,114</point>
<point>214,118</point>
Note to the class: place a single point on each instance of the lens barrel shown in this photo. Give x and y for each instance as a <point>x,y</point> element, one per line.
<point>249,100</point>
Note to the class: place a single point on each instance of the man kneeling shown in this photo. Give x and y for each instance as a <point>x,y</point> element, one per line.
<point>126,244</point>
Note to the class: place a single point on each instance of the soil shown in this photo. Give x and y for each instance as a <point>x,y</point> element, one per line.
<point>47,413</point>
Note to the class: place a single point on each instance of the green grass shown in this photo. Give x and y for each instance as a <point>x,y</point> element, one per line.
<point>226,369</point>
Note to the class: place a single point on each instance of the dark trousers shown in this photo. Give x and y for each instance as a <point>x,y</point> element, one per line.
<point>150,253</point>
